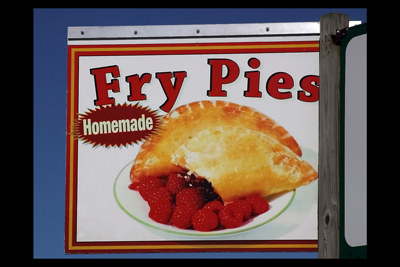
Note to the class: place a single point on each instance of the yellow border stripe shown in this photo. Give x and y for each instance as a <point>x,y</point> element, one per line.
<point>71,155</point>
<point>197,246</point>
<point>97,49</point>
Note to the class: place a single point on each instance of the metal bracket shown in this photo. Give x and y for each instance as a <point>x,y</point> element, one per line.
<point>340,35</point>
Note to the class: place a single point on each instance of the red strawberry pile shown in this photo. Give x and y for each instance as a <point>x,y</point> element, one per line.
<point>188,201</point>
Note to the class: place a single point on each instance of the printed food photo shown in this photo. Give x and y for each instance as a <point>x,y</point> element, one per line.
<point>212,163</point>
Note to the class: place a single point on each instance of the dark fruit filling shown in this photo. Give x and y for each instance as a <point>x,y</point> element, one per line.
<point>203,185</point>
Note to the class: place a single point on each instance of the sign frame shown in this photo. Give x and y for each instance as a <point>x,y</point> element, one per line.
<point>170,39</point>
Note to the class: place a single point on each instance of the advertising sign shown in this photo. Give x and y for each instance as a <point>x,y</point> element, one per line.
<point>192,138</point>
<point>353,179</point>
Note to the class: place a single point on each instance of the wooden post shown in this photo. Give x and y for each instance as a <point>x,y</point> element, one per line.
<point>329,138</point>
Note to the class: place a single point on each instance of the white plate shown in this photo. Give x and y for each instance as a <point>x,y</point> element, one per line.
<point>133,204</point>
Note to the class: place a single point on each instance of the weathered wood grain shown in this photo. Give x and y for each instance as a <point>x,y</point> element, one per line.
<point>329,135</point>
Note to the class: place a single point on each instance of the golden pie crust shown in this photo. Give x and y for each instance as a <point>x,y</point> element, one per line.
<point>182,124</point>
<point>240,162</point>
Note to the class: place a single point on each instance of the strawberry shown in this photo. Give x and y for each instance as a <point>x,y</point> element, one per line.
<point>231,216</point>
<point>205,220</point>
<point>182,216</point>
<point>175,183</point>
<point>157,194</point>
<point>258,204</point>
<point>160,211</point>
<point>147,184</point>
<point>189,196</point>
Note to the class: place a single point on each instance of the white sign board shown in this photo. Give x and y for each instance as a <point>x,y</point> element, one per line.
<point>132,88</point>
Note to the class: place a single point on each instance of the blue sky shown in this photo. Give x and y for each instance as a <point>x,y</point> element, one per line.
<point>50,90</point>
